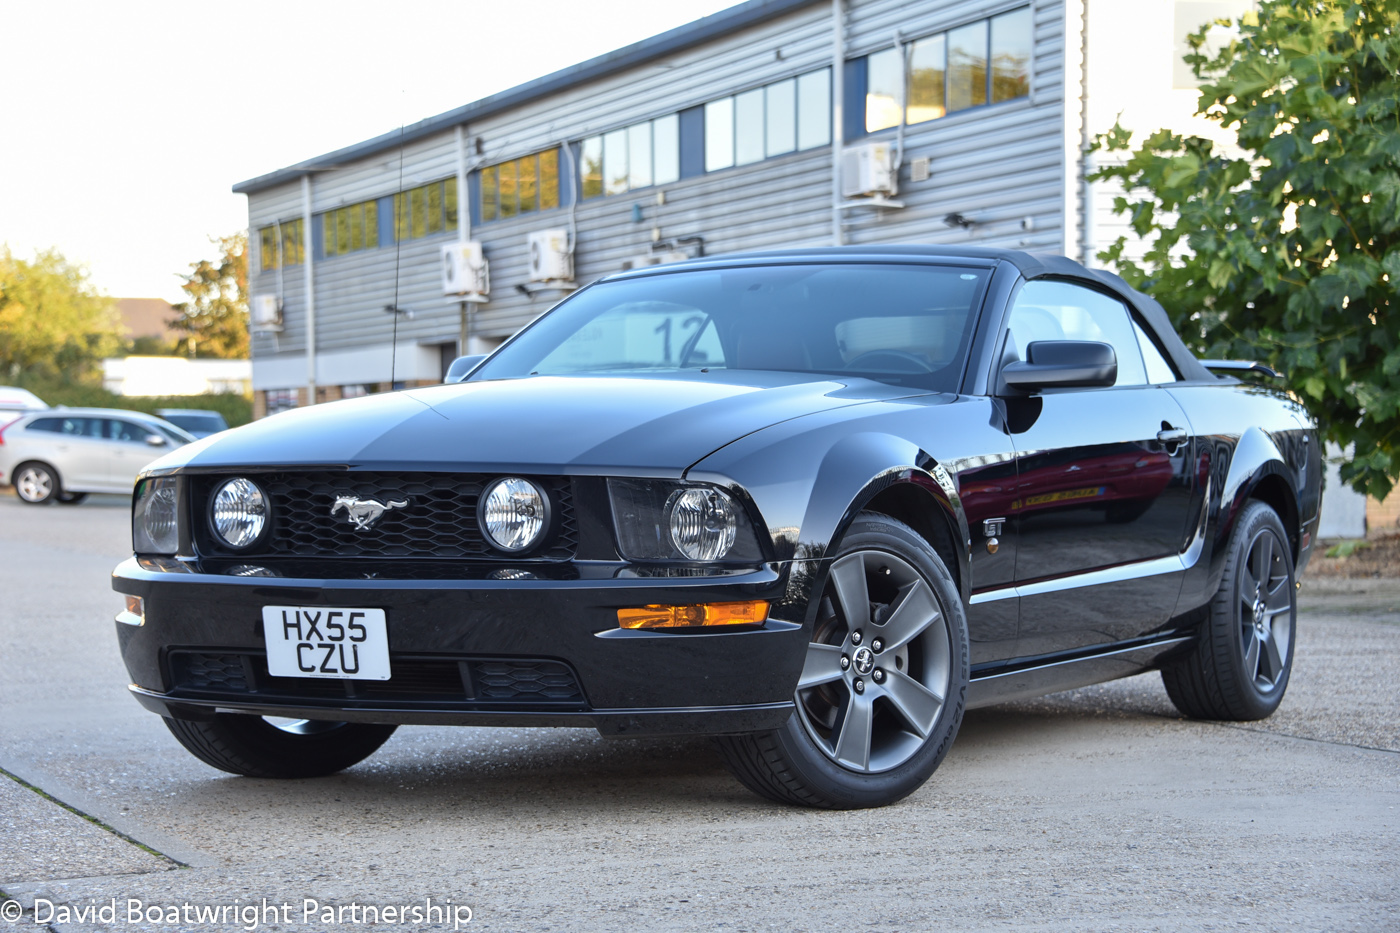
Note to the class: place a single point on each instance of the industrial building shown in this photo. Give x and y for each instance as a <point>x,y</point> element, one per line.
<point>773,123</point>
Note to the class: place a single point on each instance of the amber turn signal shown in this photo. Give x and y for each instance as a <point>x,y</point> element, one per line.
<point>703,615</point>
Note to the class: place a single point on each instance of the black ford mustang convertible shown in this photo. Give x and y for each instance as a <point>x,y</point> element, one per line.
<point>816,503</point>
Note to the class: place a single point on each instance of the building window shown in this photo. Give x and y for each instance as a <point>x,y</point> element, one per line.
<point>988,61</point>
<point>773,120</point>
<point>1011,55</point>
<point>636,156</point>
<point>520,186</point>
<point>288,250</point>
<point>426,210</point>
<point>350,229</point>
<point>358,391</point>
<point>281,400</point>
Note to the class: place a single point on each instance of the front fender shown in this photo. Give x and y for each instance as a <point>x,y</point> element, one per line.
<point>850,474</point>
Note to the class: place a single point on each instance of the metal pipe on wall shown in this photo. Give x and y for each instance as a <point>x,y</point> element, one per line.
<point>464,220</point>
<point>310,284</point>
<point>838,128</point>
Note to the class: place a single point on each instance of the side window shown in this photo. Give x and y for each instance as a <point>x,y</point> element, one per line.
<point>1158,369</point>
<point>126,431</point>
<point>1047,310</point>
<point>77,427</point>
<point>52,425</point>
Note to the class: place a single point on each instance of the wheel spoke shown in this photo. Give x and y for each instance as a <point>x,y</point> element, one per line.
<point>915,611</point>
<point>1279,598</point>
<point>853,734</point>
<point>1263,560</point>
<point>823,665</point>
<point>1251,655</point>
<point>848,573</point>
<point>1273,652</point>
<point>916,703</point>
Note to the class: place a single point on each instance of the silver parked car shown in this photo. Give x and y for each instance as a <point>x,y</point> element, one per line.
<point>64,454</point>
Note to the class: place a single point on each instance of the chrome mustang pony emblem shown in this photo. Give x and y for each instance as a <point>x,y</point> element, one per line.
<point>363,513</point>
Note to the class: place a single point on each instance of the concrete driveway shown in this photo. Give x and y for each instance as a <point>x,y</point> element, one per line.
<point>1099,809</point>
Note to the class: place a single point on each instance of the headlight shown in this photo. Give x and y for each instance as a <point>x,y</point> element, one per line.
<point>703,523</point>
<point>238,513</point>
<point>660,520</point>
<point>513,514</point>
<point>155,517</point>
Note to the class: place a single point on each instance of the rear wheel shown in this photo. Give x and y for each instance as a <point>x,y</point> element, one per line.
<point>1239,668</point>
<point>36,483</point>
<point>882,690</point>
<point>278,748</point>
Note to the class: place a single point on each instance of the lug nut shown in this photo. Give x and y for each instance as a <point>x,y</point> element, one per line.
<point>845,662</point>
<point>877,645</point>
<point>860,686</point>
<point>856,637</point>
<point>878,676</point>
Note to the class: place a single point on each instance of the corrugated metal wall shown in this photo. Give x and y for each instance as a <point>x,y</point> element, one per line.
<point>1001,166</point>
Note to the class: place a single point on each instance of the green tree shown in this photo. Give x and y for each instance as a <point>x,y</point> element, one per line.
<point>53,322</point>
<point>216,315</point>
<point>1287,250</point>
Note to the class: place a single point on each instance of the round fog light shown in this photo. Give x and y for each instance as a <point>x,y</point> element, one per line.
<point>703,523</point>
<point>238,513</point>
<point>513,514</point>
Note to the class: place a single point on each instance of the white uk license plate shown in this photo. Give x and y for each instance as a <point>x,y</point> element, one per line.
<point>317,641</point>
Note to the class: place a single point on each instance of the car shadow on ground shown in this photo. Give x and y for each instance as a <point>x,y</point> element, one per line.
<point>500,774</point>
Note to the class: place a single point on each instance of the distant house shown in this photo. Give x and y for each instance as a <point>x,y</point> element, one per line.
<point>148,317</point>
<point>175,375</point>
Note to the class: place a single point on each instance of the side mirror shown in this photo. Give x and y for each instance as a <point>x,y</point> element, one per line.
<point>155,440</point>
<point>462,367</point>
<point>1063,364</point>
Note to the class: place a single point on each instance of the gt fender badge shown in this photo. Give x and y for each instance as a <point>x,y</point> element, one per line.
<point>363,513</point>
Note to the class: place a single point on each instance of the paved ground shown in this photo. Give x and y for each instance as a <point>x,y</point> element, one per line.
<point>1093,810</point>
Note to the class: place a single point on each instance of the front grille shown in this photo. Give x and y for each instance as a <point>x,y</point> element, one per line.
<point>462,682</point>
<point>438,522</point>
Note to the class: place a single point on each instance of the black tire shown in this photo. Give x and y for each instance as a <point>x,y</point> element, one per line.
<point>254,747</point>
<point>809,761</point>
<point>71,498</point>
<point>1238,669</point>
<point>36,483</point>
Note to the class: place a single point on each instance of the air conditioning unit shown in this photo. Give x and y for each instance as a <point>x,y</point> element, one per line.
<point>550,259</point>
<point>653,259</point>
<point>465,272</point>
<point>868,170</point>
<point>266,314</point>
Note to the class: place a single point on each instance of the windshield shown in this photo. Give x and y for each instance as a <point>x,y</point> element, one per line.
<point>907,324</point>
<point>197,421</point>
<point>174,432</point>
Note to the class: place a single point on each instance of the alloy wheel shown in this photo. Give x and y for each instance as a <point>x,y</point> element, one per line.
<point>879,668</point>
<point>34,484</point>
<point>1266,612</point>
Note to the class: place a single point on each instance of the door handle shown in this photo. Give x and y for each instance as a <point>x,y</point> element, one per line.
<point>1170,435</point>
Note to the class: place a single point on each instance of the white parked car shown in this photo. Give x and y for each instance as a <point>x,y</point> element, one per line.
<point>65,453</point>
<point>15,402</point>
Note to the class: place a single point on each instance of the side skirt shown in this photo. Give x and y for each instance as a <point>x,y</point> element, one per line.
<point>1025,678</point>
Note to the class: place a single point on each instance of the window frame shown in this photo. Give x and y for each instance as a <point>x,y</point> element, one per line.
<point>487,179</point>
<point>761,92</point>
<point>855,122</point>
<point>997,387</point>
<point>402,221</point>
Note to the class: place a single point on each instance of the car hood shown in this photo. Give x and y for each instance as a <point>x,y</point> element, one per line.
<point>568,424</point>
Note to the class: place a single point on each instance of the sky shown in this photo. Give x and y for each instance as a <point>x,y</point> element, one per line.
<point>126,124</point>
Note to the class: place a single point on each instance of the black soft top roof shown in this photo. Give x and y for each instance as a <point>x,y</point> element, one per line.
<point>1030,265</point>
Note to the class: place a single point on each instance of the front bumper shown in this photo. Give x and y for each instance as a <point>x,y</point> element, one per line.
<point>471,650</point>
